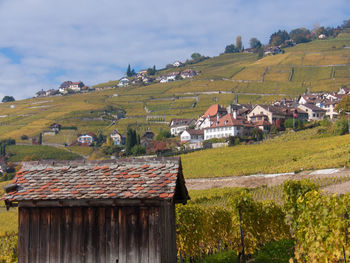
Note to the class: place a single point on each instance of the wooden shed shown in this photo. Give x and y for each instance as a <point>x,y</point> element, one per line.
<point>119,211</point>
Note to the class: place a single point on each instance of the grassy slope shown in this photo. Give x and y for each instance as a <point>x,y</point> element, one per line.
<point>8,219</point>
<point>291,152</point>
<point>38,152</point>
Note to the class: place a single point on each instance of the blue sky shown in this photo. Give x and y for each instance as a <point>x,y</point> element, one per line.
<point>45,42</point>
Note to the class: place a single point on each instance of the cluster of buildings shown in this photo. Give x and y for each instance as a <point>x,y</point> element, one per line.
<point>241,119</point>
<point>178,75</point>
<point>65,88</point>
<point>116,137</point>
<point>143,77</point>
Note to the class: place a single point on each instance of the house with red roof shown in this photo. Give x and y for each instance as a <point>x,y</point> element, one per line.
<point>210,114</point>
<point>228,125</point>
<point>275,115</point>
<point>76,86</point>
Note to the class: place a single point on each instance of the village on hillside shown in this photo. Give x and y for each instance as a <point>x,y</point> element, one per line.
<point>240,120</point>
<point>215,127</point>
<point>143,77</point>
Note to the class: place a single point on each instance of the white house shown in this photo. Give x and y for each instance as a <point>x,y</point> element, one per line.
<point>329,107</point>
<point>76,86</point>
<point>315,113</point>
<point>177,64</point>
<point>344,90</point>
<point>63,90</point>
<point>192,139</point>
<point>117,138</point>
<point>309,98</point>
<point>188,73</point>
<point>123,82</point>
<point>273,113</point>
<point>172,76</point>
<point>177,126</point>
<point>192,136</point>
<point>85,139</point>
<point>226,126</point>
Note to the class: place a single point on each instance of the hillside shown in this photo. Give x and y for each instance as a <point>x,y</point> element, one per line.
<point>321,65</point>
<point>297,151</point>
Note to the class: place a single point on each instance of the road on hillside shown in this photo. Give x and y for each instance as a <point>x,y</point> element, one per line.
<point>253,181</point>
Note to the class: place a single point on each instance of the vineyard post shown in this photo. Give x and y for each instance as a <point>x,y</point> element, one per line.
<point>346,235</point>
<point>242,235</point>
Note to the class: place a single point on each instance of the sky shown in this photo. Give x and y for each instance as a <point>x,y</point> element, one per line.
<point>46,42</point>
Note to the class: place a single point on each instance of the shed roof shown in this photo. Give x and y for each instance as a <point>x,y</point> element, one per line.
<point>156,178</point>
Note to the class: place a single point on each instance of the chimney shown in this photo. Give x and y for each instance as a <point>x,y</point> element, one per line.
<point>217,117</point>
<point>235,114</point>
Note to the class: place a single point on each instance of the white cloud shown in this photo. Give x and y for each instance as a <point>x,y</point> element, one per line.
<point>94,40</point>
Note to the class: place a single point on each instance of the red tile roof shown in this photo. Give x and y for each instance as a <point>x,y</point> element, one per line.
<point>228,120</point>
<point>112,179</point>
<point>213,110</point>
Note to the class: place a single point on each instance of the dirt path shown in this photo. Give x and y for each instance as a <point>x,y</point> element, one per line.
<point>252,181</point>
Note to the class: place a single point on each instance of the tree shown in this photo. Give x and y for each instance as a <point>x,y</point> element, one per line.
<point>300,35</point>
<point>151,71</point>
<point>196,56</point>
<point>138,150</point>
<point>132,139</point>
<point>344,105</point>
<point>100,139</point>
<point>341,126</point>
<point>346,24</point>
<point>130,72</point>
<point>163,134</point>
<point>257,134</point>
<point>278,38</point>
<point>289,123</point>
<point>231,49</point>
<point>255,43</point>
<point>260,52</point>
<point>239,43</point>
<point>40,141</point>
<point>8,99</point>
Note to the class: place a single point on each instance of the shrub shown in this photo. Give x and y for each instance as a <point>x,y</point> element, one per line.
<point>163,134</point>
<point>341,127</point>
<point>298,124</point>
<point>138,150</point>
<point>222,257</point>
<point>277,252</point>
<point>24,137</point>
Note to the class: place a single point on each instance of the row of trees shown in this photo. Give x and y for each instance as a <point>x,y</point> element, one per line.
<point>285,39</point>
<point>8,99</point>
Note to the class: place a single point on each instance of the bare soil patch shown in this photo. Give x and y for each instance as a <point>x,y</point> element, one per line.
<point>253,181</point>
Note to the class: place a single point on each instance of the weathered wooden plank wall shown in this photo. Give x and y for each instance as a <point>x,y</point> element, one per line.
<point>126,234</point>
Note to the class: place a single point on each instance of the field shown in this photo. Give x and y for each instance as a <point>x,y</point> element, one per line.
<point>305,150</point>
<point>38,152</point>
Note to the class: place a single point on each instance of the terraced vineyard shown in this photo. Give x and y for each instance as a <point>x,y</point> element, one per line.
<point>321,65</point>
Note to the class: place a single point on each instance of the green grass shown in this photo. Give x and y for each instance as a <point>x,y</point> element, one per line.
<point>63,137</point>
<point>269,157</point>
<point>38,152</point>
<point>8,219</point>
<point>81,150</point>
